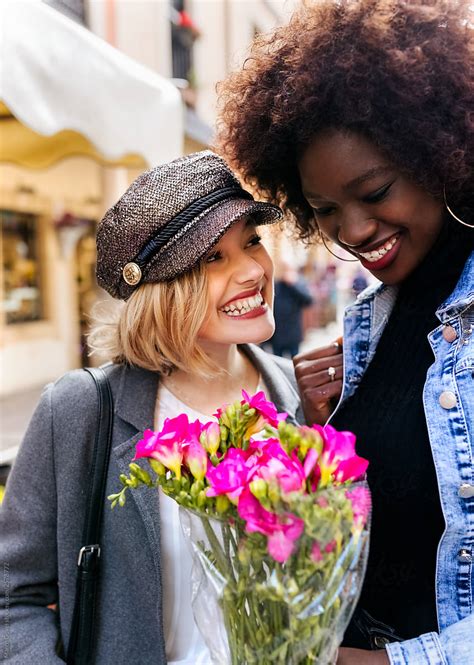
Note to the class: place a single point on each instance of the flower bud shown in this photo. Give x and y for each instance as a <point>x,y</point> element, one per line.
<point>243,554</point>
<point>222,504</point>
<point>157,466</point>
<point>274,493</point>
<point>211,437</point>
<point>259,488</point>
<point>196,460</point>
<point>141,475</point>
<point>201,499</point>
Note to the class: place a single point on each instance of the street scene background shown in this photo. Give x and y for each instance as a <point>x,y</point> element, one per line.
<point>91,94</point>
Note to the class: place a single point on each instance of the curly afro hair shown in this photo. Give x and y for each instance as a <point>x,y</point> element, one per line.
<point>398,72</point>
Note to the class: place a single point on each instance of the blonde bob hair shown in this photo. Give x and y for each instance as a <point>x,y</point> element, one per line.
<point>157,327</point>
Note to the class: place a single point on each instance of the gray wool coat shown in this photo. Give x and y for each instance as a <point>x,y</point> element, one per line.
<point>41,520</point>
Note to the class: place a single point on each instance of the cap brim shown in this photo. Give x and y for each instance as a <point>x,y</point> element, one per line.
<point>187,249</point>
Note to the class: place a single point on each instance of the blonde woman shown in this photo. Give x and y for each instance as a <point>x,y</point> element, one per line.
<point>181,249</point>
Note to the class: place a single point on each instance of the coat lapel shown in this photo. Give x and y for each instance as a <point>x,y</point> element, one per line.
<point>281,391</point>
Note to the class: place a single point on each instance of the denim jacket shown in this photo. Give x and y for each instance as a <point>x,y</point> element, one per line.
<point>448,399</point>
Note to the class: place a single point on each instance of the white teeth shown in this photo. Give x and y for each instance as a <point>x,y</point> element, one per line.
<point>377,254</point>
<point>239,307</point>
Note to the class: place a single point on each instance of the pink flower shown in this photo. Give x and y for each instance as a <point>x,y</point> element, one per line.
<point>275,466</point>
<point>316,553</point>
<point>351,469</point>
<point>361,504</point>
<point>282,531</point>
<point>310,461</point>
<point>264,408</point>
<point>330,547</point>
<point>167,445</point>
<point>211,437</point>
<point>220,411</point>
<point>195,458</point>
<point>337,445</point>
<point>229,476</point>
<point>338,459</point>
<point>168,452</point>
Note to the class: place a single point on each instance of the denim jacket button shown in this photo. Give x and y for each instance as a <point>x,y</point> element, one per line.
<point>465,555</point>
<point>449,333</point>
<point>447,399</point>
<point>466,491</point>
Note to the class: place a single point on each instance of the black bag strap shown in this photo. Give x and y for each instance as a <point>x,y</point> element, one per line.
<point>81,640</point>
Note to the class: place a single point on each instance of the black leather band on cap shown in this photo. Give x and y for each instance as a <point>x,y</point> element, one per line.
<point>165,233</point>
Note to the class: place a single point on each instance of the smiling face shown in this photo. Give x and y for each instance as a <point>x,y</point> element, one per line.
<point>366,205</point>
<point>240,288</point>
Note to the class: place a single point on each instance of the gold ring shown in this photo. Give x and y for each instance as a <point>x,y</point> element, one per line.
<point>332,372</point>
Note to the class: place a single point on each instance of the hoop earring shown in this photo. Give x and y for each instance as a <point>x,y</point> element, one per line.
<point>469,226</point>
<point>335,255</point>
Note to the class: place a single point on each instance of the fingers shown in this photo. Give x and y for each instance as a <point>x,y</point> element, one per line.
<point>319,396</point>
<point>319,378</point>
<point>318,366</point>
<point>333,349</point>
<point>316,402</point>
<point>317,385</point>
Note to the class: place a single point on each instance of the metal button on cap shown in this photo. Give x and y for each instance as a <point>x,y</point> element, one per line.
<point>465,555</point>
<point>447,399</point>
<point>132,273</point>
<point>449,333</point>
<point>466,491</point>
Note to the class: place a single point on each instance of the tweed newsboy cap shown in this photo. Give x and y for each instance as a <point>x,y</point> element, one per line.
<point>168,220</point>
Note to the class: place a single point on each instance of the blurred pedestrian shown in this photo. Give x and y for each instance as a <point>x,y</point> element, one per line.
<point>361,125</point>
<point>181,248</point>
<point>292,295</point>
<point>359,283</point>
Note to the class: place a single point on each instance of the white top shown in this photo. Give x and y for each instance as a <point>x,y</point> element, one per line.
<point>183,641</point>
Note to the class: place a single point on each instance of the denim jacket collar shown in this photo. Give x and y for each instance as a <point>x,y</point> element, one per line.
<point>463,295</point>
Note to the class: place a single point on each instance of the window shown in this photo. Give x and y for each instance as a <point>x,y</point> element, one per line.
<point>22,293</point>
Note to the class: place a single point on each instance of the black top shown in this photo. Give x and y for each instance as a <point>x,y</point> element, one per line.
<point>386,414</point>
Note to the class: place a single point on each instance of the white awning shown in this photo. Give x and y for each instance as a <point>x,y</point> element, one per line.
<point>56,76</point>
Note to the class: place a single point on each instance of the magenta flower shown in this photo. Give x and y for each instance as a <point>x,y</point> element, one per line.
<point>196,460</point>
<point>211,437</point>
<point>331,546</point>
<point>167,445</point>
<point>229,476</point>
<point>265,408</point>
<point>169,452</point>
<point>316,553</point>
<point>275,466</point>
<point>337,445</point>
<point>338,459</point>
<point>309,461</point>
<point>361,504</point>
<point>353,468</point>
<point>282,531</point>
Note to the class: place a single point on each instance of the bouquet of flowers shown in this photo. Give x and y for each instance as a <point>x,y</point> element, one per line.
<point>277,517</point>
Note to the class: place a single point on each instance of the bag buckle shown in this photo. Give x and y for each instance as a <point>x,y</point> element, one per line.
<point>93,550</point>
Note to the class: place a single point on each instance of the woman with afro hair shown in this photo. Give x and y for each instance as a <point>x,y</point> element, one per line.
<point>358,118</point>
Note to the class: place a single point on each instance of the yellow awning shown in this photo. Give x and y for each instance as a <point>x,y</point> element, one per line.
<point>22,146</point>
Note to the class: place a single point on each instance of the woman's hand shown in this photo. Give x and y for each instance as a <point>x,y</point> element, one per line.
<point>317,388</point>
<point>362,657</point>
